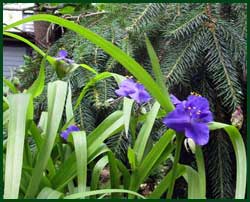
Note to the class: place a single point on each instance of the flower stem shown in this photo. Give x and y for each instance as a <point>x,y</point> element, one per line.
<point>179,139</point>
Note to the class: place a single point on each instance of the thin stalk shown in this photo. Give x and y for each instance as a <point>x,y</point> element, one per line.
<point>179,139</point>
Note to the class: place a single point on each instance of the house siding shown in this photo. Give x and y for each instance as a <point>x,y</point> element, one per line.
<point>12,59</point>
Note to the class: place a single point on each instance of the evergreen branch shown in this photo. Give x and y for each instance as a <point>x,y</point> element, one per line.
<point>224,75</point>
<point>189,26</point>
<point>148,15</point>
<point>186,59</point>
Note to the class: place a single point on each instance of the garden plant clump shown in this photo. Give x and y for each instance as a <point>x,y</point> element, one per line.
<point>95,123</point>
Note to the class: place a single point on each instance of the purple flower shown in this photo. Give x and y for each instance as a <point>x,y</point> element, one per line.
<point>192,117</point>
<point>174,99</point>
<point>70,129</point>
<point>62,55</point>
<point>136,91</point>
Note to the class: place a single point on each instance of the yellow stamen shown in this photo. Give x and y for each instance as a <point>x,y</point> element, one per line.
<point>195,94</point>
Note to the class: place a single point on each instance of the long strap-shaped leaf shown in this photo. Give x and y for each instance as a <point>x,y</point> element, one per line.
<point>102,191</point>
<point>36,48</point>
<point>156,66</point>
<point>165,182</point>
<point>127,108</point>
<point>50,59</point>
<point>96,172</point>
<point>150,160</point>
<point>240,154</point>
<point>141,141</point>
<point>10,85</point>
<point>56,100</point>
<point>48,193</point>
<point>37,87</point>
<point>80,143</point>
<point>94,140</point>
<point>194,186</point>
<point>129,63</point>
<point>16,133</point>
<point>201,170</point>
<point>92,81</point>
<point>68,170</point>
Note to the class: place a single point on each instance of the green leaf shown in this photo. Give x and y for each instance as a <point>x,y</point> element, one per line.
<point>240,154</point>
<point>84,66</point>
<point>129,63</point>
<point>50,59</point>
<point>5,104</point>
<point>67,10</point>
<point>114,173</point>
<point>43,121</point>
<point>18,104</point>
<point>156,66</point>
<point>125,172</point>
<point>36,134</point>
<point>127,107</point>
<point>6,116</point>
<point>102,191</point>
<point>194,188</point>
<point>165,182</point>
<point>96,172</point>
<point>48,193</point>
<point>95,148</point>
<point>108,127</point>
<point>179,142</point>
<point>37,87</point>
<point>141,141</point>
<point>56,100</point>
<point>80,144</point>
<point>62,68</point>
<point>150,160</point>
<point>10,85</point>
<point>68,170</point>
<point>201,170</point>
<point>92,81</point>
<point>30,113</point>
<point>69,108</point>
<point>132,158</point>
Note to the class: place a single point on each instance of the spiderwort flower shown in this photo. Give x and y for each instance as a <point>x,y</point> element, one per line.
<point>62,55</point>
<point>192,117</point>
<point>134,90</point>
<point>70,129</point>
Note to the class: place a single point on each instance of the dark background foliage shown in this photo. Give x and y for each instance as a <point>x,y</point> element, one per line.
<point>201,48</point>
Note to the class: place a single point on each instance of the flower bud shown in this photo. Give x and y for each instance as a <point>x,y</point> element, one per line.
<point>189,145</point>
<point>237,117</point>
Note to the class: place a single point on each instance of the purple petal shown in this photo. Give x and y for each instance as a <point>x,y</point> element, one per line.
<point>64,134</point>
<point>198,132</point>
<point>199,102</point>
<point>62,53</point>
<point>69,130</point>
<point>140,95</point>
<point>124,91</point>
<point>177,120</point>
<point>174,100</point>
<point>126,87</point>
<point>73,128</point>
<point>206,116</point>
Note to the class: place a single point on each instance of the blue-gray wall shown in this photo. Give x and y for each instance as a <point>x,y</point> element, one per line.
<point>12,58</point>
